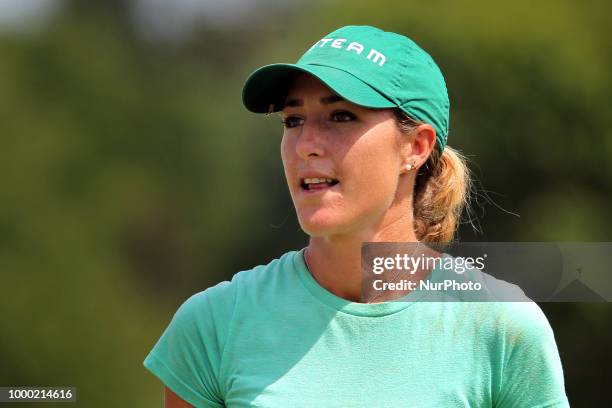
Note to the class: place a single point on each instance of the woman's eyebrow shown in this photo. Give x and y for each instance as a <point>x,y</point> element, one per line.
<point>326,100</point>
<point>331,99</point>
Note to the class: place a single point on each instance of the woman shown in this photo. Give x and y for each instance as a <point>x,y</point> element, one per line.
<point>365,116</point>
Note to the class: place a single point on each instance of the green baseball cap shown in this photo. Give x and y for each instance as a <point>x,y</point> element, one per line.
<point>366,66</point>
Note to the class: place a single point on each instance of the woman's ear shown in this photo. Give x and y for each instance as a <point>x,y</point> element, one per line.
<point>420,146</point>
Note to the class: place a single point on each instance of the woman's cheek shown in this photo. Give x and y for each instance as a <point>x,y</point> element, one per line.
<point>378,182</point>
<point>289,162</point>
<point>362,188</point>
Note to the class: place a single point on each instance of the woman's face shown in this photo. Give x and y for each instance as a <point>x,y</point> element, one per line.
<point>342,161</point>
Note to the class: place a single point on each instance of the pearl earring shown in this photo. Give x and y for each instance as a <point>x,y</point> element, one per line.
<point>409,167</point>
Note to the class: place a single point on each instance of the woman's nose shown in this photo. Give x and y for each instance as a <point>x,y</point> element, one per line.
<point>310,142</point>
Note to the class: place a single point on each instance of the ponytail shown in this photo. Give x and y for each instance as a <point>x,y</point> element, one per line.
<point>441,190</point>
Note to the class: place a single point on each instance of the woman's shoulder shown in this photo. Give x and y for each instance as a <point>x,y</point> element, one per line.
<point>263,274</point>
<point>523,322</point>
<point>496,305</point>
<point>222,296</point>
<point>508,326</point>
<point>507,307</point>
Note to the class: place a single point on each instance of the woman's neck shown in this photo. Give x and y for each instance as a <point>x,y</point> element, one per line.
<point>335,260</point>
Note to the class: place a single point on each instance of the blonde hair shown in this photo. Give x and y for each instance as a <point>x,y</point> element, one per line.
<point>442,190</point>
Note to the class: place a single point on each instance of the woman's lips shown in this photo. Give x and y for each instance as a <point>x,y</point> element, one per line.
<point>317,188</point>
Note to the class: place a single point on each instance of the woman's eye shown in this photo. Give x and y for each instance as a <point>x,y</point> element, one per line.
<point>343,116</point>
<point>292,121</point>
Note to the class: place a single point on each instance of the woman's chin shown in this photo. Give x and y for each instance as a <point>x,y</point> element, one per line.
<point>319,223</point>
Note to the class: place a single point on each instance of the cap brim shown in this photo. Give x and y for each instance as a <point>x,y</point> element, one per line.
<point>270,84</point>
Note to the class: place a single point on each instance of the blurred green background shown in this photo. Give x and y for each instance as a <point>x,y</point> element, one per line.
<point>132,177</point>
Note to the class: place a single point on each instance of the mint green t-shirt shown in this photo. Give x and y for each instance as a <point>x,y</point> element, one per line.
<point>273,337</point>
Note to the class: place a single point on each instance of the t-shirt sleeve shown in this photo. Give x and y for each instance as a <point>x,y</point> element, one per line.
<point>187,357</point>
<point>532,375</point>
